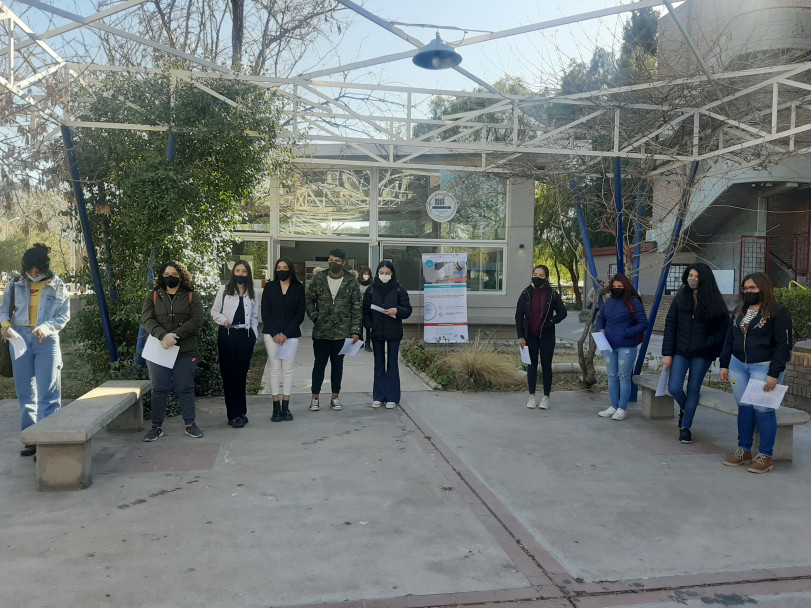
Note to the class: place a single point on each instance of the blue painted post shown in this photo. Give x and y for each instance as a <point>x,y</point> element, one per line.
<point>660,288</point>
<point>584,233</point>
<point>88,237</point>
<point>620,230</point>
<point>640,209</point>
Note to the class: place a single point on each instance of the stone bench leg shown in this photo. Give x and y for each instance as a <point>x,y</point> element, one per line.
<point>63,466</point>
<point>655,408</point>
<point>131,420</point>
<point>783,446</point>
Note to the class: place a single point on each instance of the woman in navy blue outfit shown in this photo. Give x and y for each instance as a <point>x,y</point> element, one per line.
<point>623,321</point>
<point>385,326</point>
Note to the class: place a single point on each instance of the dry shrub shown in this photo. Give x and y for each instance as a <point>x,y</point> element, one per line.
<point>478,365</point>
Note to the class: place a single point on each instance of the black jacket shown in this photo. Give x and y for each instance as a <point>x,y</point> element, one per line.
<point>769,339</point>
<point>690,336</point>
<point>382,326</point>
<point>555,311</point>
<point>283,314</point>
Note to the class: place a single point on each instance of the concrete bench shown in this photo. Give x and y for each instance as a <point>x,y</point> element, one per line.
<point>63,439</point>
<point>662,408</point>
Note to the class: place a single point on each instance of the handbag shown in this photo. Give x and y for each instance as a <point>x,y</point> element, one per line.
<point>6,369</point>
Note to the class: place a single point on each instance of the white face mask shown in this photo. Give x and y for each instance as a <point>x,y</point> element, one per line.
<point>384,278</point>
<point>41,277</point>
<point>366,277</point>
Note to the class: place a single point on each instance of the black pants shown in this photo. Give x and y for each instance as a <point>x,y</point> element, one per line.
<point>545,345</point>
<point>327,350</point>
<point>235,347</point>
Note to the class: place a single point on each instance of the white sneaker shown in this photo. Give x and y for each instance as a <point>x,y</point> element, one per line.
<point>314,407</point>
<point>544,404</point>
<point>376,404</point>
<point>618,415</point>
<point>607,413</point>
<point>390,405</point>
<point>335,404</point>
<point>531,402</point>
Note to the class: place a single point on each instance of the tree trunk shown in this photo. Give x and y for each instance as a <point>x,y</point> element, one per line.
<point>586,357</point>
<point>237,31</point>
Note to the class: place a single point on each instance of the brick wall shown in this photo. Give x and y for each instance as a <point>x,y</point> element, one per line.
<point>798,372</point>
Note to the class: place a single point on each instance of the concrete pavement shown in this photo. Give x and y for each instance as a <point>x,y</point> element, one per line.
<point>452,499</point>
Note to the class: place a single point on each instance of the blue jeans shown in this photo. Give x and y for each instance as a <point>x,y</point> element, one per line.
<point>386,386</point>
<point>38,377</point>
<point>688,402</point>
<point>766,418</point>
<point>181,379</point>
<point>620,365</point>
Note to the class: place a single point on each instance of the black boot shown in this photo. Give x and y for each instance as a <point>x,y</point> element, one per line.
<point>286,415</point>
<point>277,412</point>
<point>368,345</point>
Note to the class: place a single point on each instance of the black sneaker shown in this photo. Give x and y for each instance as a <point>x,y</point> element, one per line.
<point>685,436</point>
<point>192,430</point>
<point>28,450</point>
<point>153,433</point>
<point>237,423</point>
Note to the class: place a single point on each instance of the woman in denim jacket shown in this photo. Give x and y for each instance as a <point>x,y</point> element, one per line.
<point>41,309</point>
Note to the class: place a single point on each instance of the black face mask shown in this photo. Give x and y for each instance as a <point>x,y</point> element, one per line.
<point>618,293</point>
<point>240,280</point>
<point>538,281</point>
<point>171,282</point>
<point>751,298</point>
<point>282,275</point>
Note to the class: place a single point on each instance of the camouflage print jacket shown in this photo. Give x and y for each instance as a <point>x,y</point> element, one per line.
<point>334,320</point>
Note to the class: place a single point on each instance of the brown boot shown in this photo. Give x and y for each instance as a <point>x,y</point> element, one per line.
<point>762,464</point>
<point>740,457</point>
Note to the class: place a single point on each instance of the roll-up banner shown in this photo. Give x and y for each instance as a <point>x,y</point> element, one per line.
<point>445,296</point>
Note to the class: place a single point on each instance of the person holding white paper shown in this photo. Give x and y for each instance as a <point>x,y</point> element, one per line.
<point>623,321</point>
<point>385,305</point>
<point>173,314</point>
<point>757,347</point>
<point>282,316</point>
<point>538,310</point>
<point>236,311</point>
<point>37,306</point>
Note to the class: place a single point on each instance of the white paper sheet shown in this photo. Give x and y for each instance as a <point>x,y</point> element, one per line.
<point>524,355</point>
<point>165,357</point>
<point>601,341</point>
<point>378,308</point>
<point>286,350</point>
<point>755,395</point>
<point>351,349</point>
<point>17,343</point>
<point>661,388</point>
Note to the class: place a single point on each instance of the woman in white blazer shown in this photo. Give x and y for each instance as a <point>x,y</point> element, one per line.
<point>236,311</point>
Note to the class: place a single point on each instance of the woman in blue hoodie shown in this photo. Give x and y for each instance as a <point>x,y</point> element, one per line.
<point>623,321</point>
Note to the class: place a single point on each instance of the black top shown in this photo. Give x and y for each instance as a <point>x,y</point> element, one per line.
<point>239,315</point>
<point>382,326</point>
<point>770,339</point>
<point>689,336</point>
<point>283,313</point>
<point>555,311</point>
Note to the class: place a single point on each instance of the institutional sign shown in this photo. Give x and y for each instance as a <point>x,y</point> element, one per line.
<point>441,206</point>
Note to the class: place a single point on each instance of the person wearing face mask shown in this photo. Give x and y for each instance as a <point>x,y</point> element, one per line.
<point>757,347</point>
<point>365,280</point>
<point>333,304</point>
<point>623,321</point>
<point>386,329</point>
<point>282,315</point>
<point>173,314</point>
<point>539,309</point>
<point>36,306</point>
<point>695,328</point>
<point>236,311</point>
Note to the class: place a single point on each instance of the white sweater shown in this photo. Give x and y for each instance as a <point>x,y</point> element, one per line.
<point>224,309</point>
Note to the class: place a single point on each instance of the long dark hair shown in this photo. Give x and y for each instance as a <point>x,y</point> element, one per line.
<point>231,288</point>
<point>290,267</point>
<point>378,283</point>
<point>186,281</point>
<point>767,300</point>
<point>630,292</point>
<point>708,304</point>
<point>37,257</point>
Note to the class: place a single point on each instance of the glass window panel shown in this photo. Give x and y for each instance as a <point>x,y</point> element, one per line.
<point>402,196</point>
<point>335,201</point>
<point>407,260</point>
<point>257,215</point>
<point>485,267</point>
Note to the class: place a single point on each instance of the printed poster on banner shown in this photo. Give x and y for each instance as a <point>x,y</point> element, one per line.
<point>445,288</point>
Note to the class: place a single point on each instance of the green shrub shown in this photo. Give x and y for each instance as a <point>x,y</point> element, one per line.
<point>798,301</point>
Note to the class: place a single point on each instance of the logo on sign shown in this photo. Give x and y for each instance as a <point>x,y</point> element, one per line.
<point>441,206</point>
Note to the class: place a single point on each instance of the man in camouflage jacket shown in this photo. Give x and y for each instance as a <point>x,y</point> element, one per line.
<point>333,304</point>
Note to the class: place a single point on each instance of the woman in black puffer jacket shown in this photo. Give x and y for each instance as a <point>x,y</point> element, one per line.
<point>385,326</point>
<point>695,329</point>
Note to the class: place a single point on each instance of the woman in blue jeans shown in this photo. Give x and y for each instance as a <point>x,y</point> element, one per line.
<point>623,321</point>
<point>757,347</point>
<point>694,334</point>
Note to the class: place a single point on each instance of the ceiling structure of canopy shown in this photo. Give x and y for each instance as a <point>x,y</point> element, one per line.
<point>661,124</point>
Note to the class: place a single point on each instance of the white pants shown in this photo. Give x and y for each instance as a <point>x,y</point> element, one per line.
<point>278,370</point>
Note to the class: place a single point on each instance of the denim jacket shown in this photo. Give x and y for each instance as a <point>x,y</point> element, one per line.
<point>54,305</point>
